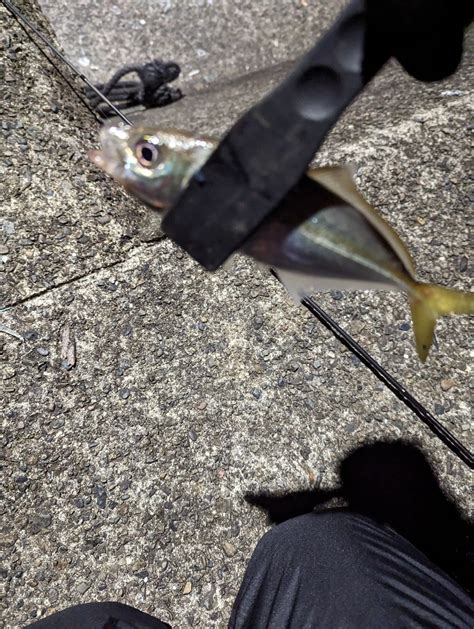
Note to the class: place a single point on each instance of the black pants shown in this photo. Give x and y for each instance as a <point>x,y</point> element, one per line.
<point>332,569</point>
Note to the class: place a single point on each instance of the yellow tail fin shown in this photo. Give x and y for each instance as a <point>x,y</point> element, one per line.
<point>428,302</point>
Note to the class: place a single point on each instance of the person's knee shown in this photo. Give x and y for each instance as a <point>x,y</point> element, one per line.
<point>325,526</point>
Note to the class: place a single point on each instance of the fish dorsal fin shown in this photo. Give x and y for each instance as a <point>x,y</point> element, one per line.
<point>339,180</point>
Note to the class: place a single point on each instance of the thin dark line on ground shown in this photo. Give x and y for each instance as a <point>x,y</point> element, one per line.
<point>388,380</point>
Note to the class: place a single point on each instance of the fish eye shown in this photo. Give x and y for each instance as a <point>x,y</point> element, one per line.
<point>146,153</point>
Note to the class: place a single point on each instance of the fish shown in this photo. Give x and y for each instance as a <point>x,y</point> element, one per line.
<point>323,235</point>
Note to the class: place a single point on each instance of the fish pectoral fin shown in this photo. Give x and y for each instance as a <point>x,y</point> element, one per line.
<point>429,302</point>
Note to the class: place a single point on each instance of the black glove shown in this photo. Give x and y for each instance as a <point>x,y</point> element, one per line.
<point>426,36</point>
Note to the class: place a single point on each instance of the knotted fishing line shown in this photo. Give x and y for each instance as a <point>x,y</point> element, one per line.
<point>458,448</point>
<point>152,89</point>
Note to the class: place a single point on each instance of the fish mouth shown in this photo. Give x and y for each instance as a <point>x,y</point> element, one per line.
<point>100,159</point>
<point>97,157</point>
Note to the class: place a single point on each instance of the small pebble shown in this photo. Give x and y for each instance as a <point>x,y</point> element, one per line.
<point>101,495</point>
<point>229,549</point>
<point>143,574</point>
<point>4,250</point>
<point>447,384</point>
<point>124,394</point>
<point>39,521</point>
<point>351,427</point>
<point>188,586</point>
<point>42,351</point>
<point>83,587</point>
<point>257,323</point>
<point>462,264</point>
<point>305,452</point>
<point>235,529</point>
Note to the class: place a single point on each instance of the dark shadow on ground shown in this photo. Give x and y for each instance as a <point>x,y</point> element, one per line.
<point>393,483</point>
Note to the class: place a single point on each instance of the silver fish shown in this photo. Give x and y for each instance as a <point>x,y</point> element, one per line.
<point>324,235</point>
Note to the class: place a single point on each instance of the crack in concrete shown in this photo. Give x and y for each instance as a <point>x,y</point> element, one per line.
<point>71,280</point>
<point>405,125</point>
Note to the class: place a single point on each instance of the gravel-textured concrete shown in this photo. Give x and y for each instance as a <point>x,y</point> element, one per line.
<point>212,40</point>
<point>149,396</point>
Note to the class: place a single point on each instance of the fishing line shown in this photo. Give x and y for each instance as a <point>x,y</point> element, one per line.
<point>23,20</point>
<point>57,68</point>
<point>445,435</point>
<point>389,381</point>
<point>458,448</point>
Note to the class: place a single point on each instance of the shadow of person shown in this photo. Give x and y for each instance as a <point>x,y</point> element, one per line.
<point>392,483</point>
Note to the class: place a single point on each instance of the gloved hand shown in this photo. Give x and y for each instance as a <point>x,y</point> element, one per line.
<point>426,36</point>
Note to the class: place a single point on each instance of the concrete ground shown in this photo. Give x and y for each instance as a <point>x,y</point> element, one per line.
<point>149,396</point>
<point>213,40</point>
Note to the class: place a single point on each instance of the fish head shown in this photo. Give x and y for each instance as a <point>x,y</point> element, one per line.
<point>152,164</point>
